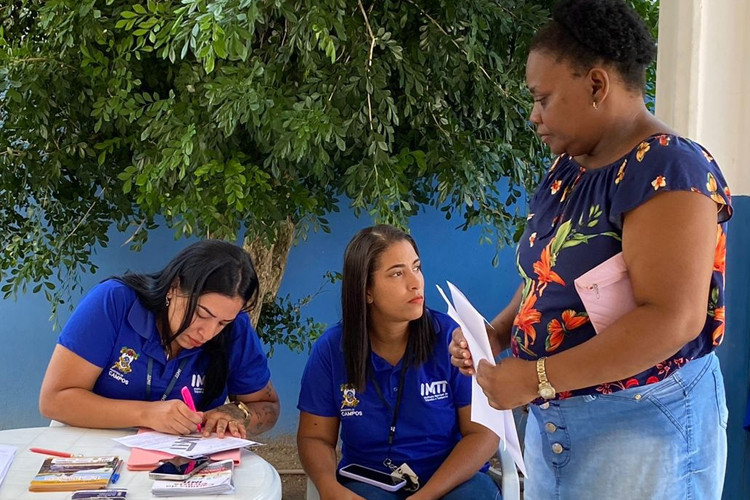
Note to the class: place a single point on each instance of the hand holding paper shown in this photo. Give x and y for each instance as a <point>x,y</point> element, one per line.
<point>512,382</point>
<point>472,323</point>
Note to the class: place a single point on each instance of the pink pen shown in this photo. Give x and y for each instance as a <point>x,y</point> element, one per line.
<point>45,451</point>
<point>188,399</point>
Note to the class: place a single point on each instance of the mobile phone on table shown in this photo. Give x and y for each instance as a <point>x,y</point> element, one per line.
<point>374,477</point>
<point>108,494</point>
<point>179,468</point>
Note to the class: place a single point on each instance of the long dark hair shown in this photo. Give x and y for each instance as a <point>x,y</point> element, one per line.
<point>209,266</point>
<point>360,261</point>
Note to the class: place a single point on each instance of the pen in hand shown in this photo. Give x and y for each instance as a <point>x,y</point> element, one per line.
<point>188,399</point>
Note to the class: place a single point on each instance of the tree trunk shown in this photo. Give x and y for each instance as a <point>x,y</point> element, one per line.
<point>270,263</point>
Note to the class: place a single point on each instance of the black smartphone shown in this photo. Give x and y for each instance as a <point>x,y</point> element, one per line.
<point>374,477</point>
<point>178,468</point>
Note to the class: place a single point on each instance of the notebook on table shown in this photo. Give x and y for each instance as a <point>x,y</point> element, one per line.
<point>216,479</point>
<point>74,473</point>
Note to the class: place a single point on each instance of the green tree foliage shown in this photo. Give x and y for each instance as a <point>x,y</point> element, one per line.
<point>215,116</point>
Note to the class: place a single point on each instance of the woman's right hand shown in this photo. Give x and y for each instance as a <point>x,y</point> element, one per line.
<point>460,354</point>
<point>173,417</point>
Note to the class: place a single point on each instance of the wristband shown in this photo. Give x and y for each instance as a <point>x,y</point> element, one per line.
<point>243,407</point>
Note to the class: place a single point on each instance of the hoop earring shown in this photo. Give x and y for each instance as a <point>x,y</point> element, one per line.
<point>166,302</point>
<point>595,105</point>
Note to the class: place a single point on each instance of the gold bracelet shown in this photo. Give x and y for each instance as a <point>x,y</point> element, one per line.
<point>243,407</point>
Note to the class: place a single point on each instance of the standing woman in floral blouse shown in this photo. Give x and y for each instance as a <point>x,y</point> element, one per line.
<point>636,409</point>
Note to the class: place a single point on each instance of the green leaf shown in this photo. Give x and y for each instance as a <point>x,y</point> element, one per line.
<point>220,48</point>
<point>208,63</point>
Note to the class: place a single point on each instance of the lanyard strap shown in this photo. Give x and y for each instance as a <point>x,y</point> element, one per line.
<point>401,377</point>
<point>172,382</point>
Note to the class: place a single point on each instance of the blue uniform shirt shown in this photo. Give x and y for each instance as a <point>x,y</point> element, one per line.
<point>427,428</point>
<point>112,329</point>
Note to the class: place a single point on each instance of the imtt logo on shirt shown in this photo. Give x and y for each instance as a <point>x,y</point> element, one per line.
<point>122,366</point>
<point>197,381</point>
<point>433,391</point>
<point>349,401</point>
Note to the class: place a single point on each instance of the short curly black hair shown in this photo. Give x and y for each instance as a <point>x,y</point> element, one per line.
<point>590,32</point>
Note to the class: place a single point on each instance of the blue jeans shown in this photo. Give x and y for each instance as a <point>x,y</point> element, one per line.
<point>480,486</point>
<point>661,441</point>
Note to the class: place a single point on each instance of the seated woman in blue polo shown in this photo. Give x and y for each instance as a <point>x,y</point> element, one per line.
<point>136,340</point>
<point>383,377</point>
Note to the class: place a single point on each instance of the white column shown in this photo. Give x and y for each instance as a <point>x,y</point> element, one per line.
<point>703,92</point>
<point>703,79</point>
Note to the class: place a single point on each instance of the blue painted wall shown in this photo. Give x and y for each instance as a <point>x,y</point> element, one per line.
<point>447,254</point>
<point>734,352</point>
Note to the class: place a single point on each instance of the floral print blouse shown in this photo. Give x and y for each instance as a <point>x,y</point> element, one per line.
<point>575,224</point>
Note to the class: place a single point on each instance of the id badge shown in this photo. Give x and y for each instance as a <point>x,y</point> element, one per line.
<point>405,472</point>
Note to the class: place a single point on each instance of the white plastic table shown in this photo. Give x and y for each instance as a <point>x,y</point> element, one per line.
<point>254,478</point>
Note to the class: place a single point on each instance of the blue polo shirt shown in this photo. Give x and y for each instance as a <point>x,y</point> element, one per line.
<point>112,329</point>
<point>427,427</point>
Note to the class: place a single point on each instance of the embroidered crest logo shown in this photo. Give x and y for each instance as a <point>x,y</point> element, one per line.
<point>127,356</point>
<point>350,396</point>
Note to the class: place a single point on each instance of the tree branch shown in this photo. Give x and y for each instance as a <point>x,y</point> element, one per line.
<point>82,219</point>
<point>369,58</point>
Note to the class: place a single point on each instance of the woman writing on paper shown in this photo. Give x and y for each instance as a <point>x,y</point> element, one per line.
<point>383,377</point>
<point>642,400</point>
<point>136,340</point>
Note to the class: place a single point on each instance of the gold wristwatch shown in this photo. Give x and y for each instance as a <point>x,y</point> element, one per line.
<point>545,389</point>
<point>243,407</point>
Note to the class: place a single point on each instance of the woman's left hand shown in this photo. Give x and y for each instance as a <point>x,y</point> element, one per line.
<point>510,383</point>
<point>224,423</point>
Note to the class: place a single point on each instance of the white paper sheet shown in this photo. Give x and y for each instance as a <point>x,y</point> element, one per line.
<point>185,446</point>
<point>6,458</point>
<point>472,325</point>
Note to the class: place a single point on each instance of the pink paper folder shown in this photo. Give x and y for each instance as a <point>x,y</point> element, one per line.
<point>606,292</point>
<point>141,459</point>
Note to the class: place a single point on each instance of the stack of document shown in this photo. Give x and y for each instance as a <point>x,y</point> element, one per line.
<point>190,446</point>
<point>216,479</point>
<point>143,459</point>
<point>472,325</point>
<point>6,458</point>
